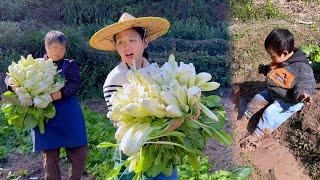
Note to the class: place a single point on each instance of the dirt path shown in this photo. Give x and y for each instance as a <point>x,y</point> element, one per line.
<point>271,162</point>
<point>30,166</point>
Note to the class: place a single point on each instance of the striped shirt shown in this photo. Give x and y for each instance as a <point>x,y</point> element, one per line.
<point>116,78</point>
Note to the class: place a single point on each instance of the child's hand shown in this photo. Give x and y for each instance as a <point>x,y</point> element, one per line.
<point>56,95</point>
<point>177,123</point>
<point>198,112</point>
<point>305,98</point>
<point>14,88</point>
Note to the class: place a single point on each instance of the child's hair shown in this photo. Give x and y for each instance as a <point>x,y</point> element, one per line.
<point>279,40</point>
<point>55,37</point>
<point>143,33</point>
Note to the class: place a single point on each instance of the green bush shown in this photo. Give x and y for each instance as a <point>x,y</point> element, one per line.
<point>12,140</point>
<point>24,43</point>
<point>244,10</point>
<point>98,11</point>
<point>222,30</point>
<point>312,51</point>
<point>194,29</point>
<point>91,12</point>
<point>2,153</point>
<point>31,42</point>
<point>6,59</point>
<point>13,10</point>
<point>272,12</point>
<point>212,46</point>
<point>94,71</point>
<point>9,31</point>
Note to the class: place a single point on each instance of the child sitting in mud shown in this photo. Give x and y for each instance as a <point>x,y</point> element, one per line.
<point>290,83</point>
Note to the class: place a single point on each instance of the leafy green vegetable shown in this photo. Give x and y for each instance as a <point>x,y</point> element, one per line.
<point>313,53</point>
<point>212,101</point>
<point>241,173</point>
<point>26,117</point>
<point>187,172</point>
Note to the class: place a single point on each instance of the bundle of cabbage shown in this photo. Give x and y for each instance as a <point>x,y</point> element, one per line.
<point>30,104</point>
<point>154,99</point>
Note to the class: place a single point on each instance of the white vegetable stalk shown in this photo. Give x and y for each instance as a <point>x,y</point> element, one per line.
<point>35,81</point>
<point>156,95</point>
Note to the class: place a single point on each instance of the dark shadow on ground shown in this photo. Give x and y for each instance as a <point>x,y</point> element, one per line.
<point>246,90</point>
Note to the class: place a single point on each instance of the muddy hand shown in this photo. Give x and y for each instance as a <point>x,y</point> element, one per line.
<point>14,88</point>
<point>305,98</point>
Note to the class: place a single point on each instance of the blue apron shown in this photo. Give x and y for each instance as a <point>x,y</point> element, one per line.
<point>66,129</point>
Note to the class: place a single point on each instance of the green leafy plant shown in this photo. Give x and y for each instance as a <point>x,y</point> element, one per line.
<point>313,53</point>
<point>12,140</point>
<point>193,28</point>
<point>99,129</point>
<point>2,152</point>
<point>272,12</point>
<point>187,172</point>
<point>244,10</point>
<point>26,117</point>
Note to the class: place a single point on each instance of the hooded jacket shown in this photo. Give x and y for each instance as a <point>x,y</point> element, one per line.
<point>288,80</point>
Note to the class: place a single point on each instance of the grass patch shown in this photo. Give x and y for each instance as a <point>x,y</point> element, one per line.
<point>12,140</point>
<point>271,12</point>
<point>246,10</point>
<point>99,129</point>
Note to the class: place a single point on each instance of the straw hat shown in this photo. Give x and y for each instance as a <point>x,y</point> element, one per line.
<point>155,26</point>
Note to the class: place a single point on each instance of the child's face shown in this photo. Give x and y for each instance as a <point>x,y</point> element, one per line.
<point>276,58</point>
<point>130,45</point>
<point>56,51</point>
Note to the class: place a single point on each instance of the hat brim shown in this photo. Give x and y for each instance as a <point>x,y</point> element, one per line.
<point>103,39</point>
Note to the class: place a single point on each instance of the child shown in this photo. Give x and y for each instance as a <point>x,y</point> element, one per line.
<point>290,83</point>
<point>129,37</point>
<point>67,128</point>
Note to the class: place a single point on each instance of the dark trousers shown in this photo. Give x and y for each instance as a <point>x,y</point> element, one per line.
<point>76,156</point>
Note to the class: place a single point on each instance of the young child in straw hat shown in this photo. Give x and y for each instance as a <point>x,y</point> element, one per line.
<point>129,37</point>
